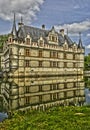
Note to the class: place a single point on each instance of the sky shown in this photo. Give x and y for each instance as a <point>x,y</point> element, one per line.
<point>72,15</point>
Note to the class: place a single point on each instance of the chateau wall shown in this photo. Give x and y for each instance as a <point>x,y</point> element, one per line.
<point>27,92</point>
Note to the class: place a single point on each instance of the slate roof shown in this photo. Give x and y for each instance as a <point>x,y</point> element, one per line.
<point>80,44</point>
<point>36,33</point>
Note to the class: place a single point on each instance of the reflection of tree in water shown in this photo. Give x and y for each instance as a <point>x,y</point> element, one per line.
<point>1,104</point>
<point>2,108</point>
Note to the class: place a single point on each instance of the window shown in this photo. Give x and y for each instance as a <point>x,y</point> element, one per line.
<point>65,85</point>
<point>10,39</point>
<point>53,38</point>
<point>53,64</point>
<point>74,65</point>
<point>27,41</point>
<point>74,84</point>
<point>27,100</point>
<point>73,56</point>
<point>27,63</point>
<point>56,39</point>
<point>40,63</point>
<point>53,54</point>
<point>41,42</point>
<point>65,56</point>
<point>54,96</point>
<point>65,47</point>
<point>51,87</point>
<point>40,53</point>
<point>50,38</point>
<point>51,98</point>
<point>65,64</point>
<point>40,88</point>
<point>27,89</point>
<point>40,98</point>
<point>65,94</point>
<point>54,86</point>
<point>27,52</point>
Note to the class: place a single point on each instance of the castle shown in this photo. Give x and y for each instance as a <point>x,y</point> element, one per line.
<point>33,51</point>
<point>44,67</point>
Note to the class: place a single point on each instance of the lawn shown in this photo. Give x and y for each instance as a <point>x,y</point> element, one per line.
<point>56,118</point>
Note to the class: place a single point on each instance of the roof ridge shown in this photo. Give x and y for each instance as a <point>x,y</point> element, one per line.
<point>36,28</point>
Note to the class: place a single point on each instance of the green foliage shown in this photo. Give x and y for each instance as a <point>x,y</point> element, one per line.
<point>87,62</point>
<point>57,118</point>
<point>3,38</point>
<point>87,82</point>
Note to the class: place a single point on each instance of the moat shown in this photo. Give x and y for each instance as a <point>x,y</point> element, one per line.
<point>43,92</point>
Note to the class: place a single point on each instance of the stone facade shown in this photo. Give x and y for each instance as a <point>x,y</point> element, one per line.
<point>49,59</point>
<point>33,51</point>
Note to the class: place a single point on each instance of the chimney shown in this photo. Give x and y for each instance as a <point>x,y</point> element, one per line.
<point>43,26</point>
<point>62,32</point>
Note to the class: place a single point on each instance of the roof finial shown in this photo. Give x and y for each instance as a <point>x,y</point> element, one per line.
<point>21,19</point>
<point>67,31</point>
<point>20,24</point>
<point>80,41</point>
<point>79,35</point>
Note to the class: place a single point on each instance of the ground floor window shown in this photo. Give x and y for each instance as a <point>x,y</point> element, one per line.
<point>27,64</point>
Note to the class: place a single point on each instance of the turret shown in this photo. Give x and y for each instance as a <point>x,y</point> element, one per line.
<point>14,31</point>
<point>20,24</point>
<point>80,41</point>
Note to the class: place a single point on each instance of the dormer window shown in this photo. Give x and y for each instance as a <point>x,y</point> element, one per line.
<point>65,45</point>
<point>50,38</point>
<point>53,36</point>
<point>74,47</point>
<point>28,39</point>
<point>41,41</point>
<point>10,39</point>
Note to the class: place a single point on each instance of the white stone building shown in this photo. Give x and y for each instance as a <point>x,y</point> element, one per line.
<point>32,51</point>
<point>45,66</point>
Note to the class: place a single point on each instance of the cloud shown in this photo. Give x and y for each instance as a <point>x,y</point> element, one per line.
<point>25,8</point>
<point>88,35</point>
<point>75,28</point>
<point>76,7</point>
<point>88,46</point>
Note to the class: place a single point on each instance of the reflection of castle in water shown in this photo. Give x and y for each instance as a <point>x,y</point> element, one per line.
<point>27,93</point>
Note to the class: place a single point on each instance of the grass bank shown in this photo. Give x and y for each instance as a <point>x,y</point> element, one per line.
<point>56,118</point>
